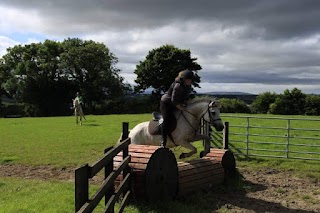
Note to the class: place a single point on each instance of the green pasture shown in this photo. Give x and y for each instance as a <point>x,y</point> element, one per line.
<point>58,142</point>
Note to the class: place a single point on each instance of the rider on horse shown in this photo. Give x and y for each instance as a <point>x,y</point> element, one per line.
<point>79,98</point>
<point>174,98</point>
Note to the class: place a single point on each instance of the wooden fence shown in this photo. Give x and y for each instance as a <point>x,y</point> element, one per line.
<point>107,190</point>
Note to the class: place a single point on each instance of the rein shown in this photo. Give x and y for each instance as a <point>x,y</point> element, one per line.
<point>211,120</point>
<point>195,117</point>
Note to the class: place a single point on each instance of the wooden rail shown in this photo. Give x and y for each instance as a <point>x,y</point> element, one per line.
<point>85,172</point>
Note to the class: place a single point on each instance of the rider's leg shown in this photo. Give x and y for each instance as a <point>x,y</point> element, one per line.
<point>164,125</point>
<point>163,141</point>
<point>169,121</point>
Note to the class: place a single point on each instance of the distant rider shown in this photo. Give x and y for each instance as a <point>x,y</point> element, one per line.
<point>79,98</point>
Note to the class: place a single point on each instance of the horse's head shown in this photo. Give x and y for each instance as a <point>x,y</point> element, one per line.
<point>208,109</point>
<point>213,115</point>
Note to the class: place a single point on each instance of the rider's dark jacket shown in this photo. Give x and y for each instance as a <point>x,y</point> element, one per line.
<point>178,93</point>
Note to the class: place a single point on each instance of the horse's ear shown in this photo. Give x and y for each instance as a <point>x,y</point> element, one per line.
<point>215,103</point>
<point>212,103</point>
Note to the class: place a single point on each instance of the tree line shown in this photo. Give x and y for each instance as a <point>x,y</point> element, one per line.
<point>42,79</point>
<point>292,102</point>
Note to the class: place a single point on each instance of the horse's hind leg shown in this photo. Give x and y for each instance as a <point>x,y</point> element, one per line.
<point>80,120</point>
<point>188,146</point>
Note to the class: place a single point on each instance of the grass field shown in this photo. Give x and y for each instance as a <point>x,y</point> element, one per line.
<point>58,142</point>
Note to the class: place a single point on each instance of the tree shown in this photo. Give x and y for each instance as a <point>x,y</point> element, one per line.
<point>4,75</point>
<point>91,67</point>
<point>312,105</point>
<point>289,103</point>
<point>262,103</point>
<point>233,106</point>
<point>161,66</point>
<point>32,71</point>
<point>45,76</point>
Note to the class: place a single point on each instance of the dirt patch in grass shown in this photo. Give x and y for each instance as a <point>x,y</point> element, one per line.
<point>269,190</point>
<point>36,172</point>
<point>263,190</point>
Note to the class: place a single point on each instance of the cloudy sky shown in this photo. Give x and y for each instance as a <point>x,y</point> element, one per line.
<point>242,45</point>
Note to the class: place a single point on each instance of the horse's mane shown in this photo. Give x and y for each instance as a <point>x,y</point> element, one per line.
<point>200,99</point>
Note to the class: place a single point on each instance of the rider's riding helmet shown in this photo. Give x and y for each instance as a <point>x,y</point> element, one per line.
<point>187,74</point>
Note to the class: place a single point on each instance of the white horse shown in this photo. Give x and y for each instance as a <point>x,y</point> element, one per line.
<point>78,112</point>
<point>187,129</point>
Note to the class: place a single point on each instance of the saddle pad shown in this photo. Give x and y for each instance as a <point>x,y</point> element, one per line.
<point>154,128</point>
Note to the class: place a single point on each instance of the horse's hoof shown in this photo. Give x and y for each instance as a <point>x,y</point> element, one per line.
<point>182,156</point>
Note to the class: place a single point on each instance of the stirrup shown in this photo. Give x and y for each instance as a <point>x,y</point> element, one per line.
<point>163,144</point>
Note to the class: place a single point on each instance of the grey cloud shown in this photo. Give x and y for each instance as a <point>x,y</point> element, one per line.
<point>273,19</point>
<point>260,76</point>
<point>273,42</point>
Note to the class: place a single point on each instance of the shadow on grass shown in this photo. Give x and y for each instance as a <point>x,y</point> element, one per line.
<point>219,198</point>
<point>91,124</point>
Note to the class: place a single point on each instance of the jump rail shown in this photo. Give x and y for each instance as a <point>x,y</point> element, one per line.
<point>107,190</point>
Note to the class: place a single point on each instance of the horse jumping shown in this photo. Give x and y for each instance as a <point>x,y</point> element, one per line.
<point>187,129</point>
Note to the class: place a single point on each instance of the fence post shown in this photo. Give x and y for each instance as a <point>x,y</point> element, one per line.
<point>288,139</point>
<point>125,151</point>
<point>247,137</point>
<point>108,168</point>
<point>226,135</point>
<point>81,186</point>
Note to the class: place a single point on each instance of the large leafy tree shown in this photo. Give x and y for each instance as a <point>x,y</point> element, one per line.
<point>32,69</point>
<point>91,67</point>
<point>4,75</point>
<point>289,103</point>
<point>161,66</point>
<point>45,76</point>
<point>312,105</point>
<point>262,103</point>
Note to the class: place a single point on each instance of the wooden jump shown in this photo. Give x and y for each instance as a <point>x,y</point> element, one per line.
<point>156,175</point>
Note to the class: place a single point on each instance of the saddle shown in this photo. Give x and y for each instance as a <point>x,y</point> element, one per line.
<point>155,124</point>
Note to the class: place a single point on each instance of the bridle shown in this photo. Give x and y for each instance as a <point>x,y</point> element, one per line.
<point>211,119</point>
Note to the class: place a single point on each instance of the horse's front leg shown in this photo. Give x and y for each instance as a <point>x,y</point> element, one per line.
<point>188,146</point>
<point>207,143</point>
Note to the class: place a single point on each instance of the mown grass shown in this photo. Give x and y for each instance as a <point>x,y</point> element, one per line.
<point>58,142</point>
<point>22,196</point>
<point>34,196</point>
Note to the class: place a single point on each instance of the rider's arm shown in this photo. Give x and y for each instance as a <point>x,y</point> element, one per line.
<point>177,97</point>
<point>181,107</point>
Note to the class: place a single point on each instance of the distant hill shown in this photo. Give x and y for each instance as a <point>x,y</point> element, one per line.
<point>248,98</point>
<point>227,93</point>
